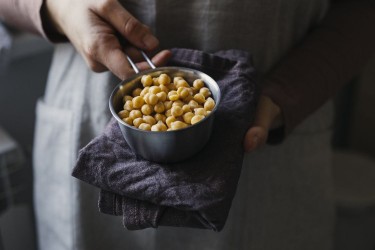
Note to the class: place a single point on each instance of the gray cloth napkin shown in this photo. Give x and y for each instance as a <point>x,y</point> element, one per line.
<point>195,193</point>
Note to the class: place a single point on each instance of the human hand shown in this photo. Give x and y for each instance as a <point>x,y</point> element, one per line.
<point>97,28</point>
<point>268,116</point>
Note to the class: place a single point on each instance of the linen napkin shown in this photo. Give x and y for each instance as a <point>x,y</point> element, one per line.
<point>197,192</point>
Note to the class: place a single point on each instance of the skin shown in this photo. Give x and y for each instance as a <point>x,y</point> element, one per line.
<point>104,32</point>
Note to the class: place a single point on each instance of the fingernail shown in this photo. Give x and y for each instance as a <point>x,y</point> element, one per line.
<point>150,41</point>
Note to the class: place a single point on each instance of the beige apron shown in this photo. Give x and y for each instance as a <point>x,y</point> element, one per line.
<point>284,197</point>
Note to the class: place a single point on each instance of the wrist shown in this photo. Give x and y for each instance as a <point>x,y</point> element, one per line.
<point>52,29</point>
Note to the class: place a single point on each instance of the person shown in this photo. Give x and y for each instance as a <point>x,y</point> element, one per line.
<point>303,50</point>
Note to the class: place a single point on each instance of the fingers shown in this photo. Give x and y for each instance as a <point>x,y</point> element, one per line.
<point>267,115</point>
<point>128,26</point>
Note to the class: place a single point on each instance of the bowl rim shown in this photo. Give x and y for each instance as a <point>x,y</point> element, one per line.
<point>115,115</point>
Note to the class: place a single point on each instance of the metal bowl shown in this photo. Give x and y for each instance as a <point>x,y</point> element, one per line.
<point>168,146</point>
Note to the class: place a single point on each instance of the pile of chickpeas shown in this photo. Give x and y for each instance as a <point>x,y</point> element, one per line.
<point>164,105</point>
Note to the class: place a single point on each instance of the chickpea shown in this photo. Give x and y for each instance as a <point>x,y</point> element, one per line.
<point>199,98</point>
<point>178,103</point>
<point>169,120</point>
<point>186,108</point>
<point>160,126</point>
<point>146,80</point>
<point>168,104</point>
<point>147,109</point>
<point>168,113</point>
<point>171,86</point>
<point>164,89</point>
<point>138,121</point>
<point>123,114</point>
<point>176,79</point>
<point>160,117</point>
<point>164,79</point>
<point>128,105</point>
<point>188,98</point>
<point>159,107</point>
<point>162,96</point>
<point>187,117</point>
<point>135,114</point>
<point>151,99</point>
<point>128,120</point>
<point>200,111</point>
<point>144,91</point>
<point>198,84</point>
<point>176,111</point>
<point>136,92</point>
<point>209,104</point>
<point>196,118</point>
<point>154,90</point>
<point>138,102</point>
<point>127,98</point>
<point>173,96</point>
<point>182,83</point>
<point>145,126</point>
<point>178,125</point>
<point>155,81</point>
<point>205,92</point>
<point>149,119</point>
<point>155,128</point>
<point>193,104</point>
<point>208,112</point>
<point>183,92</point>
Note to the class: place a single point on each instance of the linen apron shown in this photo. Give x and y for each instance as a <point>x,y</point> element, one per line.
<point>284,198</point>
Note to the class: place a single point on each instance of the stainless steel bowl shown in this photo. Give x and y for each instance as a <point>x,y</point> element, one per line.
<point>168,146</point>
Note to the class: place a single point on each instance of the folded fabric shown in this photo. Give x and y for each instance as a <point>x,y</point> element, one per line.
<point>195,193</point>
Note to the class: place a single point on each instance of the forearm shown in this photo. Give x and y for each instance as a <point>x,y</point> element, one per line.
<point>330,56</point>
<point>22,14</point>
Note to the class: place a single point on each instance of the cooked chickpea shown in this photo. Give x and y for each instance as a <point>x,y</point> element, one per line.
<point>168,104</point>
<point>196,118</point>
<point>159,107</point>
<point>173,96</point>
<point>127,98</point>
<point>138,121</point>
<point>147,109</point>
<point>199,98</point>
<point>155,128</point>
<point>178,125</point>
<point>135,114</point>
<point>193,104</point>
<point>164,89</point>
<point>171,86</point>
<point>144,91</point>
<point>160,126</point>
<point>178,103</point>
<point>123,114</point>
<point>138,102</point>
<point>205,92</point>
<point>160,117</point>
<point>187,117</point>
<point>155,81</point>
<point>128,105</point>
<point>183,92</point>
<point>136,92</point>
<point>154,90</point>
<point>176,111</point>
<point>181,83</point>
<point>146,80</point>
<point>198,84</point>
<point>128,120</point>
<point>188,99</point>
<point>151,99</point>
<point>177,78</point>
<point>200,111</point>
<point>209,104</point>
<point>145,126</point>
<point>186,108</point>
<point>164,79</point>
<point>169,120</point>
<point>168,113</point>
<point>149,119</point>
<point>162,96</point>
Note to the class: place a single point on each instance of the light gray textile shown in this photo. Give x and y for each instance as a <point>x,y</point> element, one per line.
<point>283,199</point>
<point>5,45</point>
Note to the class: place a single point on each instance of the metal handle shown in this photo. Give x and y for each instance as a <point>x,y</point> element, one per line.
<point>134,66</point>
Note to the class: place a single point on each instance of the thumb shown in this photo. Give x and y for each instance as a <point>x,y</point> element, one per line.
<point>267,114</point>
